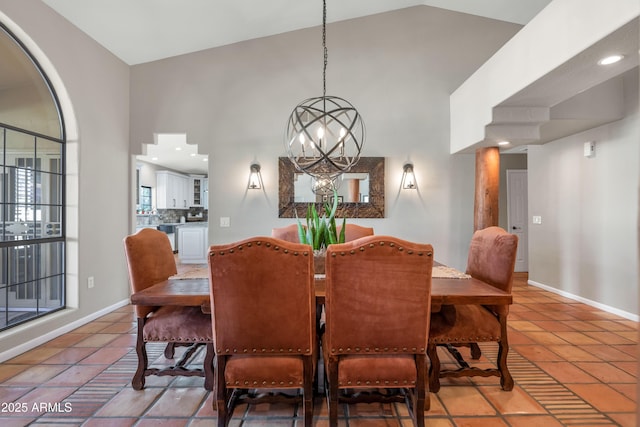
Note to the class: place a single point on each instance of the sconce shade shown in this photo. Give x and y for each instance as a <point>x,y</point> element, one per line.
<point>408,177</point>
<point>255,178</point>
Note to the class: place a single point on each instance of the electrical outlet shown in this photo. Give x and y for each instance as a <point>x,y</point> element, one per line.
<point>225,221</point>
<point>537,219</point>
<point>90,282</point>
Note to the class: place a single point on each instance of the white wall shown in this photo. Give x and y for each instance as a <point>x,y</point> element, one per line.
<point>587,244</point>
<point>94,89</point>
<point>397,68</point>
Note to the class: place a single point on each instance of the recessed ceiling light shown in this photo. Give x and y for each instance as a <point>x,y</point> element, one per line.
<point>205,159</point>
<point>178,148</point>
<point>503,143</point>
<point>193,154</point>
<point>154,158</point>
<point>611,59</point>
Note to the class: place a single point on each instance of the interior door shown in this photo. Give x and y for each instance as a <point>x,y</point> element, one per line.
<point>517,214</point>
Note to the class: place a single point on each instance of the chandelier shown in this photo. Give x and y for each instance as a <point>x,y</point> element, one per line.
<point>324,135</point>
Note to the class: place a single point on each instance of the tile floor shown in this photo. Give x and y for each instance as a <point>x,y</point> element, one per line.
<point>572,365</point>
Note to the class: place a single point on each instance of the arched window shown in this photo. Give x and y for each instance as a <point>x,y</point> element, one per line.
<point>32,159</point>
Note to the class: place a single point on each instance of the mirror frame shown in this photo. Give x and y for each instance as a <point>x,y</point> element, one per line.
<point>374,166</point>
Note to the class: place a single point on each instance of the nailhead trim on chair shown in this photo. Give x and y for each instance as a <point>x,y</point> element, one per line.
<point>377,382</point>
<point>368,350</point>
<point>372,245</point>
<point>178,339</point>
<point>254,382</point>
<point>264,350</point>
<point>258,243</point>
<point>463,340</point>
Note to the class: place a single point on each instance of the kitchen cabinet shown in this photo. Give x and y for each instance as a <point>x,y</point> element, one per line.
<point>172,190</point>
<point>197,190</point>
<point>193,244</point>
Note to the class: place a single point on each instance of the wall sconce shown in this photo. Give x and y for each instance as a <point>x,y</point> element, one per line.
<point>255,178</point>
<point>408,178</point>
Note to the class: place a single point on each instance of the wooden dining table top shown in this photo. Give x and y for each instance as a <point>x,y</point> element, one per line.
<point>195,292</point>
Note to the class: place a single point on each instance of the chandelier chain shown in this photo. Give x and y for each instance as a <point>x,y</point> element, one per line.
<point>324,47</point>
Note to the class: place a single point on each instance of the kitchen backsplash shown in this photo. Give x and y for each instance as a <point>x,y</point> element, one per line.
<point>168,216</point>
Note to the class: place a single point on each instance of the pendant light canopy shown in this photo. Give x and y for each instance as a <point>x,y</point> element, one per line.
<point>324,135</point>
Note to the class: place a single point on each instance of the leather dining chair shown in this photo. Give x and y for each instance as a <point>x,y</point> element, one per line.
<point>354,231</point>
<point>150,260</point>
<point>288,233</point>
<point>263,321</point>
<point>492,257</point>
<point>378,300</point>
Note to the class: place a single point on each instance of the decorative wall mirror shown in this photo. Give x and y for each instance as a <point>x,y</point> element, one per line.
<point>360,195</point>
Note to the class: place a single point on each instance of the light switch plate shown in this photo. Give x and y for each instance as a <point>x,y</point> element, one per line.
<point>225,221</point>
<point>537,219</point>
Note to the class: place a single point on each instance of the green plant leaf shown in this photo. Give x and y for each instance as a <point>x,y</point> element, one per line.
<point>343,231</point>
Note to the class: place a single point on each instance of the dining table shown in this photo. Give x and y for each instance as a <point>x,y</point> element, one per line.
<point>449,288</point>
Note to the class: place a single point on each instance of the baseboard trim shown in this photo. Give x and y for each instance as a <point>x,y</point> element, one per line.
<point>29,345</point>
<point>600,306</point>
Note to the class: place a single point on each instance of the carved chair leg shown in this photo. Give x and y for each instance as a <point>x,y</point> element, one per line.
<point>434,368</point>
<point>170,350</point>
<point>208,367</point>
<point>421,393</point>
<point>138,378</point>
<point>222,394</point>
<point>333,392</point>
<point>475,350</point>
<point>307,402</point>
<point>506,381</point>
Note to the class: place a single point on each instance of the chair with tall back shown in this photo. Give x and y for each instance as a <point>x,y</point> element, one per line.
<point>288,233</point>
<point>378,300</point>
<point>492,257</point>
<point>354,231</point>
<point>150,260</point>
<point>263,316</point>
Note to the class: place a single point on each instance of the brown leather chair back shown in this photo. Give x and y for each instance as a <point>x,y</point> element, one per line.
<point>355,231</point>
<point>288,233</point>
<point>492,257</point>
<point>150,260</point>
<point>262,297</point>
<point>378,296</point>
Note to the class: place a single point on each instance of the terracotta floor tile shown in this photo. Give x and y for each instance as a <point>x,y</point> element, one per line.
<point>16,421</point>
<point>536,353</point>
<point>576,338</point>
<point>69,356</point>
<point>9,370</point>
<point>553,325</point>
<point>610,325</point>
<point>606,372</point>
<point>603,397</point>
<point>629,367</point>
<point>610,338</point>
<point>516,401</point>
<point>566,372</point>
<point>532,421</point>
<point>524,325</point>
<point>97,340</point>
<point>45,395</point>
<point>164,422</point>
<point>110,422</point>
<point>545,338</point>
<point>35,356</point>
<point>67,340</point>
<point>106,356</point>
<point>91,328</point>
<point>629,335</point>
<point>629,390</point>
<point>628,419</point>
<point>35,375</point>
<point>574,354</point>
<point>76,375</point>
<point>480,422</point>
<point>179,402</point>
<point>459,400</point>
<point>130,402</point>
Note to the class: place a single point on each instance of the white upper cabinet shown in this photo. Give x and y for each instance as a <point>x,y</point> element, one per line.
<point>172,190</point>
